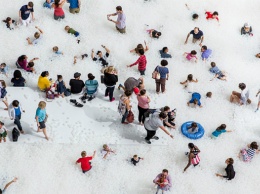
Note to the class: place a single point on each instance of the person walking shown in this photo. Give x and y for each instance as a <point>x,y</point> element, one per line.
<point>25,12</point>
<point>193,156</point>
<point>164,75</point>
<point>121,18</point>
<point>110,80</point>
<point>165,174</point>
<point>15,112</point>
<point>143,105</point>
<point>74,6</point>
<point>41,118</point>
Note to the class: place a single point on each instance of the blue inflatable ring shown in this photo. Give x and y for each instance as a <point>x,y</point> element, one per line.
<point>197,135</point>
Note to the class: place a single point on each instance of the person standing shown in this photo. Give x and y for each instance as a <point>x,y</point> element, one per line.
<point>74,6</point>
<point>15,112</point>
<point>121,18</point>
<point>153,123</point>
<point>58,11</point>
<point>125,105</point>
<point>168,178</point>
<point>197,36</point>
<point>193,156</point>
<point>229,170</point>
<point>164,75</point>
<point>143,105</point>
<point>41,118</point>
<point>110,79</point>
<point>3,93</point>
<point>3,132</point>
<point>141,62</point>
<point>24,13</point>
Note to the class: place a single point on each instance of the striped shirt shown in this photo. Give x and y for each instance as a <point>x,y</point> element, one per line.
<point>141,63</point>
<point>250,152</point>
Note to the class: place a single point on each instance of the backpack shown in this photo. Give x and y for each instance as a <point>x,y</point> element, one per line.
<point>3,92</point>
<point>15,134</point>
<point>122,105</point>
<point>130,117</point>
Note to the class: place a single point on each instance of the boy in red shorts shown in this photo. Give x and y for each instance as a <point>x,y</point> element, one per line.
<point>213,15</point>
<point>85,164</point>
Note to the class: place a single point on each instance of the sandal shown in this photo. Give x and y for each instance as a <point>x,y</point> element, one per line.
<point>78,105</point>
<point>73,101</point>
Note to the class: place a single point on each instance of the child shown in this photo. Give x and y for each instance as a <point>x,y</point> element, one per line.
<point>85,164</point>
<point>55,49</point>
<point>191,55</point>
<point>193,128</point>
<point>10,23</point>
<point>188,82</point>
<point>246,30</point>
<point>61,86</point>
<point>195,17</point>
<point>195,99</point>
<point>3,93</point>
<point>209,95</point>
<point>48,3</point>
<point>139,47</point>
<point>257,55</point>
<point>3,132</point>
<point>219,130</point>
<point>72,31</point>
<point>218,74</point>
<point>249,153</point>
<point>81,56</point>
<point>154,34</point>
<point>162,182</point>
<point>136,159</point>
<point>141,62</point>
<point>258,106</point>
<point>4,69</point>
<point>106,151</point>
<point>37,36</point>
<point>15,112</point>
<point>213,15</point>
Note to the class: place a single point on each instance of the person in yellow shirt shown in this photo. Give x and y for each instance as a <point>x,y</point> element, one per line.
<point>44,82</point>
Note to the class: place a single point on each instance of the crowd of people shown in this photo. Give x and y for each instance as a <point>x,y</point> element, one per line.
<point>151,119</point>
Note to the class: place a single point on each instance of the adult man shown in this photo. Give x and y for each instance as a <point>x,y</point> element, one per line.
<point>76,85</point>
<point>120,23</point>
<point>131,83</point>
<point>24,13</point>
<point>164,173</point>
<point>241,98</point>
<point>74,6</point>
<point>197,36</point>
<point>164,53</point>
<point>205,52</point>
<point>100,57</point>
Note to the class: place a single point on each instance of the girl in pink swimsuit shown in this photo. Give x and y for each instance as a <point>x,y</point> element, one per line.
<point>191,55</point>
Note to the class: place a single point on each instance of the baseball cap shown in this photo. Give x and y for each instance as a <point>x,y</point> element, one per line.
<point>77,74</point>
<point>246,25</point>
<point>136,90</point>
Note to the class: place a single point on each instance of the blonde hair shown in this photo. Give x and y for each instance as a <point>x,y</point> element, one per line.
<point>37,35</point>
<point>109,69</point>
<point>105,146</point>
<point>83,153</point>
<point>42,104</point>
<point>55,48</point>
<point>3,83</point>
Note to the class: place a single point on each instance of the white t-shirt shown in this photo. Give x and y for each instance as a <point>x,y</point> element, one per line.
<point>3,129</point>
<point>36,41</point>
<point>244,95</point>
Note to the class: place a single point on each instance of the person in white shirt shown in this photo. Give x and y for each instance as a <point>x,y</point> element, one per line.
<point>15,112</point>
<point>241,98</point>
<point>37,36</point>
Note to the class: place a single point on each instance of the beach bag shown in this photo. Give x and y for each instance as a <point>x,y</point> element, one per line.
<point>195,160</point>
<point>121,106</point>
<point>15,134</point>
<point>50,95</point>
<point>3,92</point>
<point>156,74</point>
<point>130,117</point>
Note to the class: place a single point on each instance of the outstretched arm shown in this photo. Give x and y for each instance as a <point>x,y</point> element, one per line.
<point>8,184</point>
<point>39,29</point>
<point>187,38</point>
<point>107,50</point>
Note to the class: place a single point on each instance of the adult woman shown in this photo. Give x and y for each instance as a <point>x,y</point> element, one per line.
<point>155,121</point>
<point>24,64</point>
<point>125,105</point>
<point>229,170</point>
<point>164,75</point>
<point>43,81</point>
<point>143,105</point>
<point>3,93</point>
<point>41,117</point>
<point>18,80</point>
<point>110,79</point>
<point>58,11</point>
<point>140,47</point>
<point>193,156</point>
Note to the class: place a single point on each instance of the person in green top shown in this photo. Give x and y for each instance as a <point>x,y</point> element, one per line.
<point>72,31</point>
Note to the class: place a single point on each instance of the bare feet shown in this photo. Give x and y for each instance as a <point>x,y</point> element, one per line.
<point>47,138</point>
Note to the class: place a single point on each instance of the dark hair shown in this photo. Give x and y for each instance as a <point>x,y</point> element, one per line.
<point>164,48</point>
<point>190,77</point>
<point>166,108</point>
<point>118,8</point>
<point>159,33</point>
<point>143,92</point>
<point>164,62</point>
<point>215,13</point>
<point>254,145</point>
<point>193,52</point>
<point>17,74</point>
<point>197,28</point>
<point>128,93</point>
<point>163,115</point>
<point>3,64</point>
<point>15,103</point>
<point>191,145</point>
<point>204,47</point>
<point>193,124</point>
<point>165,170</point>
<point>213,64</point>
<point>209,94</point>
<point>222,126</point>
<point>59,77</point>
<point>22,57</point>
<point>31,64</point>
<point>44,73</point>
<point>242,86</point>
<point>57,3</point>
<point>141,51</point>
<point>231,161</point>
<point>98,52</point>
<point>135,156</point>
<point>8,19</point>
<point>30,4</point>
<point>91,76</point>
<point>195,16</point>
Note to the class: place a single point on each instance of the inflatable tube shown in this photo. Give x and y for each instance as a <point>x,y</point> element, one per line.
<point>197,135</point>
